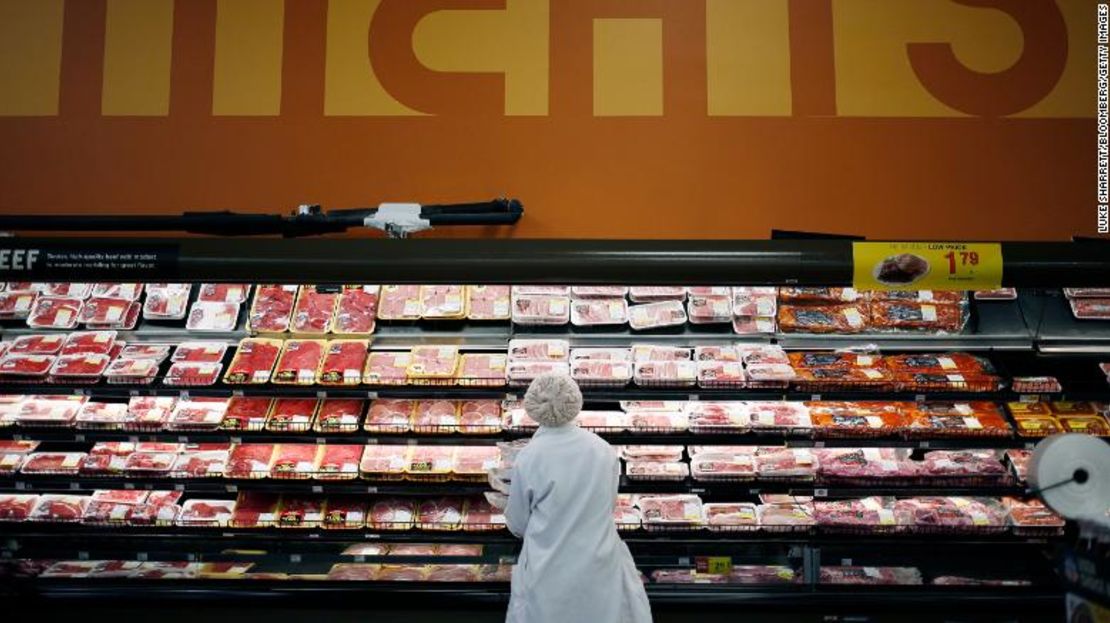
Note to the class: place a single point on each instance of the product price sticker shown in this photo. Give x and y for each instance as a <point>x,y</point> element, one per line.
<point>926,266</point>
<point>717,565</point>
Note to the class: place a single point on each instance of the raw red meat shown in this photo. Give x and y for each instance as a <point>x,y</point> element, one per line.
<point>224,292</point>
<point>343,362</point>
<point>149,514</point>
<point>899,315</point>
<point>1098,309</point>
<point>489,303</point>
<point>166,303</point>
<point>594,372</point>
<point>400,303</point>
<point>89,343</point>
<point>596,312</point>
<point>54,507</point>
<point>429,462</point>
<point>599,291</point>
<point>39,344</point>
<point>16,304</point>
<point>339,415</point>
<point>253,362</point>
<point>55,312</point>
<point>849,464</point>
<point>791,463</point>
<point>389,416</point>
<point>129,291</point>
<point>294,461</point>
<point>52,463</point>
<point>440,514</point>
<point>656,315</point>
<point>353,572</point>
<point>870,575</point>
<point>848,318</point>
<point>339,462</point>
<point>104,310</point>
<point>75,290</point>
<point>833,360</point>
<point>983,463</point>
<point>26,365</point>
<point>401,573</point>
<point>387,368</point>
<point>206,512</point>
<point>540,309</point>
<point>17,506</point>
<point>480,417</point>
<point>754,301</point>
<point>292,414</point>
<point>476,460</point>
<point>124,370</point>
<point>79,366</point>
<point>479,516</point>
<point>753,325</point>
<point>656,470</point>
<point>541,290</point>
<point>189,373</point>
<point>250,461</point>
<point>731,516</point>
<point>720,374</point>
<point>213,317</point>
<point>345,514</point>
<point>313,311</point>
<point>443,301</point>
<point>245,413</point>
<point>392,514</point>
<point>106,512</point>
<point>958,513</point>
<point>200,352</point>
<point>723,354</point>
<point>724,463</point>
<point>102,415</point>
<point>1032,514</point>
<point>647,294</point>
<point>819,295</point>
<point>201,464</point>
<point>451,573</point>
<point>356,311</point>
<point>273,305</point>
<point>786,517</point>
<point>718,416</point>
<point>150,463</point>
<point>665,373</point>
<point>664,421</point>
<point>943,363</point>
<point>299,362</point>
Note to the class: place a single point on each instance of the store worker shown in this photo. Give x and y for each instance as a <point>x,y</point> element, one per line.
<point>573,567</point>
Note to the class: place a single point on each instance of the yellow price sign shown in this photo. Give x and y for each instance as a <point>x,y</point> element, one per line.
<point>926,265</point>
<point>717,565</point>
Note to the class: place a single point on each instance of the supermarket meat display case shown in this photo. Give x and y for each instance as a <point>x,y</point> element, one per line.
<point>190,419</point>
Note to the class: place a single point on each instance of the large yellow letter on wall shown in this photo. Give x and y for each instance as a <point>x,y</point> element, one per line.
<point>748,57</point>
<point>138,46</point>
<point>30,56</point>
<point>628,67</point>
<point>350,86</point>
<point>246,78</point>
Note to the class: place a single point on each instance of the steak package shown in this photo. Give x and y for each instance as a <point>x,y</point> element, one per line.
<point>16,305</point>
<point>81,366</point>
<point>295,461</point>
<point>189,373</point>
<point>102,415</point>
<point>213,317</point>
<point>343,362</point>
<point>301,511</point>
<point>89,343</point>
<point>57,507</point>
<point>253,362</point>
<point>400,303</point>
<point>387,368</point>
<point>339,415</point>
<point>489,303</point>
<point>246,413</point>
<point>440,514</point>
<point>656,470</point>
<point>199,351</point>
<point>392,514</point>
<point>75,290</point>
<point>149,464</point>
<point>17,506</point>
<point>255,509</point>
<point>105,311</point>
<point>68,463</point>
<point>854,464</point>
<point>166,301</point>
<point>480,516</point>
<point>656,315</point>
<point>356,311</point>
<point>344,514</point>
<point>292,414</point>
<point>28,366</point>
<point>224,292</point>
<point>212,513</point>
<point>338,462</point>
<point>313,311</point>
<point>55,312</point>
<point>272,308</point>
<point>250,461</point>
<point>200,464</point>
<point>132,371</point>
<point>299,362</point>
<point>443,301</point>
<point>39,344</point>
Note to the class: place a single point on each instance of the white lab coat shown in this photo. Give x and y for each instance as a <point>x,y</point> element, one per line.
<point>573,567</point>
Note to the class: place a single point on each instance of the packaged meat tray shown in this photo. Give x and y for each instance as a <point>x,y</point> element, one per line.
<point>88,343</point>
<point>224,292</point>
<point>120,496</point>
<point>480,417</point>
<point>819,295</point>
<point>847,318</point>
<point>1077,293</point>
<point>75,290</point>
<point>786,417</point>
<point>785,463</point>
<point>482,370</point>
<point>943,297</point>
<point>54,412</point>
<point>400,302</point>
<point>39,344</point>
<point>246,413</point>
<point>253,362</point>
<point>344,514</point>
<point>981,466</point>
<point>17,506</point>
<point>475,462</point>
<point>905,315</point>
<point>272,308</point>
<point>255,509</point>
<point>724,354</point>
<point>338,462</point>
<point>187,373</point>
<point>656,315</point>
<point>826,379</point>
<point>608,421</point>
<point>943,363</point>
<point>833,360</point>
<point>250,461</point>
<point>337,415</point>
<point>649,294</point>
<point>149,463</point>
<point>864,466</point>
<point>601,373</point>
<point>213,317</point>
<point>525,290</point>
<point>301,512</point>
<point>152,514</point>
<point>389,416</point>
<point>436,416</point>
<point>489,303</point>
<point>1001,294</point>
<point>444,302</point>
<point>125,371</point>
<point>539,350</point>
<point>762,355</point>
<point>753,325</point>
<point>436,363</point>
<point>102,415</point>
<point>392,514</point>
<point>1036,385</point>
<point>650,453</point>
<point>72,569</point>
<point>951,515</point>
<point>948,424</point>
<point>709,309</point>
<point>299,362</point>
<point>721,374</point>
<point>200,464</point>
<point>1083,309</point>
<point>16,305</point>
<point>658,421</point>
<point>731,517</point>
<point>353,572</point>
<point>479,516</point>
<point>871,515</point>
<point>356,311</point>
<point>671,511</point>
<point>1032,518</point>
<point>599,292</point>
<point>27,367</point>
<point>534,309</point>
<point>598,312</point>
<point>522,372</point>
<point>387,368</point>
<point>292,414</point>
<point>625,514</point>
<point>105,311</point>
<point>440,514</point>
<point>343,362</point>
<point>55,312</point>
<point>56,507</point>
<point>894,576</point>
<point>166,303</point>
<point>1059,407</point>
<point>295,461</point>
<point>206,513</point>
<point>1086,424</point>
<point>312,314</point>
<point>718,417</point>
<point>665,373</point>
<point>754,301</point>
<point>656,470</point>
<point>857,419</point>
<point>384,462</point>
<point>202,352</point>
<point>80,366</point>
<point>430,463</point>
<point>149,412</point>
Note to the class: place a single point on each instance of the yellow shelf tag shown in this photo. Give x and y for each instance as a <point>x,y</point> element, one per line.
<point>926,265</point>
<point>717,565</point>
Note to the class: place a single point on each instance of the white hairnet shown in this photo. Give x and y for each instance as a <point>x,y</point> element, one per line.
<point>553,399</point>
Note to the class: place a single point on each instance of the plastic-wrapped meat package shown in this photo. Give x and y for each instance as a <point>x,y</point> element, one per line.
<point>224,292</point>
<point>292,414</point>
<point>522,372</point>
<point>149,514</point>
<point>853,464</point>
<point>819,295</point>
<point>89,343</point>
<point>250,460</point>
<point>149,412</point>
<point>712,417</point>
<point>1071,293</point>
<point>200,464</point>
<point>721,374</point>
<point>39,344</point>
<point>731,516</point>
<point>451,573</point>
<point>79,366</point>
<point>166,303</point>
<point>651,453</point>
<point>301,512</point>
<point>102,415</point>
<point>489,303</point>
<point>429,462</point>
<point>384,462</point>
<point>440,514</point>
<point>54,412</point>
<point>541,290</point>
<point>387,368</point>
<point>540,309</point>
<point>665,373</point>
<point>817,379</point>
<point>656,315</point>
<point>724,463</point>
<point>476,460</point>
<point>823,318</point>
<point>186,373</point>
<point>1037,426</point>
<point>295,461</point>
<point>770,373</point>
<point>666,511</point>
<point>663,421</point>
<point>904,315</point>
<point>71,569</point>
<point>443,301</point>
<point>16,305</point>
<point>599,291</point>
<point>938,363</point>
<point>949,514</point>
<point>853,419</point>
<point>648,294</point>
<point>11,461</point>
<point>1000,294</point>
<point>609,421</point>
<point>57,507</point>
<point>942,297</point>
<point>433,362</point>
<point>1031,517</point>
<point>213,317</point>
<point>255,509</point>
<point>976,463</point>
<point>480,516</point>
<point>212,513</point>
<point>150,463</point>
<point>754,301</point>
<point>724,354</point>
<point>1019,460</point>
<point>197,414</point>
<point>480,417</point>
<point>246,413</point>
<point>253,362</point>
<point>344,514</point>
<point>353,572</point>
<point>827,360</point>
<point>200,351</point>
<point>339,415</point>
<point>753,325</point>
<point>356,311</point>
<point>1085,424</point>
<point>9,412</point>
<point>28,367</point>
<point>539,350</point>
<point>436,416</point>
<point>625,513</point>
<point>120,496</point>
<point>402,573</point>
<point>104,310</point>
<point>482,370</point>
<point>598,312</point>
<point>17,506</point>
<point>1090,309</point>
<point>313,311</point>
<point>601,373</point>
<point>763,354</point>
<point>516,418</point>
<point>299,362</point>
<point>272,309</point>
<point>792,517</point>
<point>392,514</point>
<point>779,416</point>
<point>894,576</point>
<point>656,470</point>
<point>709,309</point>
<point>343,362</point>
<point>338,462</point>
<point>107,513</point>
<point>956,420</point>
<point>75,290</point>
<point>55,312</point>
<point>400,302</point>
<point>389,416</point>
<point>788,463</point>
<point>117,569</point>
<point>871,514</point>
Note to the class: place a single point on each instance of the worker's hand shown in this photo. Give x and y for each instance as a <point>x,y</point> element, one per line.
<point>497,500</point>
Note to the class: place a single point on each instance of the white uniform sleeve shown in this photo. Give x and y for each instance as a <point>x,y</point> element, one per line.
<point>519,508</point>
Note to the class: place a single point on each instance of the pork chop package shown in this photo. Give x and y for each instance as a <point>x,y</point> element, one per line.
<point>443,302</point>
<point>440,513</point>
<point>709,309</point>
<point>482,369</point>
<point>754,301</point>
<point>657,315</point>
<point>665,373</point>
<point>537,309</point>
<point>539,350</point>
<point>313,311</point>
<point>601,373</point>
<point>785,463</point>
<point>391,514</point>
<point>384,462</point>
<point>652,294</point>
<point>589,312</point>
<point>731,517</point>
<point>436,416</point>
<point>721,374</point>
<point>356,311</point>
<point>599,292</point>
<point>724,463</point>
<point>272,308</point>
<point>480,417</point>
<point>671,511</point>
<point>489,303</point>
<point>433,364</point>
<point>400,302</point>
<point>656,470</point>
<point>387,368</point>
<point>712,417</point>
<point>389,416</point>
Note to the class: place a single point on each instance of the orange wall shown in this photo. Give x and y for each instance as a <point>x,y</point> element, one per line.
<point>608,118</point>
